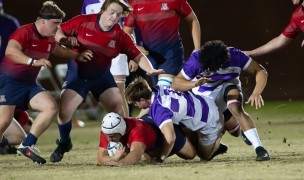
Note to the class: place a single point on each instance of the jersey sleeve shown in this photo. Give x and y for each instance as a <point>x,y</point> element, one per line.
<point>159,113</point>
<point>130,19</point>
<point>192,67</point>
<point>137,134</point>
<point>129,48</point>
<point>103,141</point>
<point>240,59</point>
<point>70,27</point>
<point>291,30</point>
<point>185,8</point>
<point>22,36</point>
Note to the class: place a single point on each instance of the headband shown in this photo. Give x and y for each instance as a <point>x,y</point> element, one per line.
<point>49,17</point>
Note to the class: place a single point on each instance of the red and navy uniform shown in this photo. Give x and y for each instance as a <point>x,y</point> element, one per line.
<point>137,131</point>
<point>296,23</point>
<point>158,21</point>
<point>34,46</point>
<point>105,45</point>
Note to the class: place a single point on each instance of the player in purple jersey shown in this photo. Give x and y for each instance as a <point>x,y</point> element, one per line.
<point>28,50</point>
<point>198,114</point>
<point>102,34</point>
<point>214,71</point>
<point>295,26</point>
<point>158,23</point>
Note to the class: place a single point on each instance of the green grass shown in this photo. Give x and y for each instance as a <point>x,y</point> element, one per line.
<point>280,125</point>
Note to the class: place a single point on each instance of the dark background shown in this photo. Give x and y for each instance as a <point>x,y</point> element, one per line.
<point>244,24</point>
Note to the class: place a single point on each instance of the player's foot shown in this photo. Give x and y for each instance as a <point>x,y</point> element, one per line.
<point>262,154</point>
<point>245,139</point>
<point>220,150</point>
<point>62,148</point>
<point>31,152</point>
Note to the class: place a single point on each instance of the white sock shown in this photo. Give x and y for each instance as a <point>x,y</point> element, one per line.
<point>164,81</point>
<point>253,136</point>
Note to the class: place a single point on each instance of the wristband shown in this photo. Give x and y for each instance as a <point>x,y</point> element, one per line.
<point>29,61</point>
<point>32,62</point>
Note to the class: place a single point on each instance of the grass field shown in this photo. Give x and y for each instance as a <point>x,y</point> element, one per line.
<point>280,125</point>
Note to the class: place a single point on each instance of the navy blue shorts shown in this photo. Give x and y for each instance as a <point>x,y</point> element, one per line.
<point>180,135</point>
<point>83,86</point>
<point>171,61</point>
<point>16,93</point>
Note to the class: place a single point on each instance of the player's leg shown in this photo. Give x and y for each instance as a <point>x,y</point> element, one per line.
<point>120,71</point>
<point>231,124</point>
<point>69,101</point>
<point>182,146</point>
<point>7,113</point>
<point>235,106</point>
<point>14,133</point>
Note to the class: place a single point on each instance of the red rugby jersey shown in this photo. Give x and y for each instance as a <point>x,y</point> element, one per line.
<point>137,131</point>
<point>296,23</point>
<point>158,21</point>
<point>34,46</point>
<point>105,45</point>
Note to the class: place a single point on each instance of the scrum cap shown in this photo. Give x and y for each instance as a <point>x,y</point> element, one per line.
<point>113,123</point>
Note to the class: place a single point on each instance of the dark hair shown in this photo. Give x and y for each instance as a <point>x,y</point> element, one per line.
<point>126,8</point>
<point>50,10</point>
<point>137,89</point>
<point>214,55</point>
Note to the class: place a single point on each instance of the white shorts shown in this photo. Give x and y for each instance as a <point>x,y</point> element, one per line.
<point>213,129</point>
<point>120,66</point>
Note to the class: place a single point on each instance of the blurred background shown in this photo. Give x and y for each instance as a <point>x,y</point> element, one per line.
<point>244,24</point>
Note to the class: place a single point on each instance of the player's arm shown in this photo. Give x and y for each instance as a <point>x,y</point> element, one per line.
<point>14,52</point>
<point>195,29</point>
<point>261,81</point>
<point>180,83</point>
<point>65,40</point>
<point>137,149</point>
<point>167,130</point>
<point>272,46</point>
<point>146,65</point>
<point>66,53</point>
<point>103,156</point>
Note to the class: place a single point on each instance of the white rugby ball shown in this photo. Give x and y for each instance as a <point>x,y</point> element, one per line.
<point>112,147</point>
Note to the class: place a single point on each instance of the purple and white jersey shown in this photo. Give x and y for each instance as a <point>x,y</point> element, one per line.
<point>183,108</point>
<point>91,6</point>
<point>193,70</point>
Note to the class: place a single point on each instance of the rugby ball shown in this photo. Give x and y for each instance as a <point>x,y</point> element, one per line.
<point>112,147</point>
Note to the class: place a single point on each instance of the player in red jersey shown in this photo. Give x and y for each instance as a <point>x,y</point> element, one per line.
<point>28,49</point>
<point>295,26</point>
<point>138,137</point>
<point>102,34</point>
<point>158,23</point>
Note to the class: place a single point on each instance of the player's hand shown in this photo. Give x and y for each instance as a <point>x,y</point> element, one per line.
<point>69,41</point>
<point>143,50</point>
<point>85,56</point>
<point>257,100</point>
<point>133,66</point>
<point>43,62</point>
<point>113,163</point>
<point>302,45</point>
<point>202,81</point>
<point>119,153</point>
<point>155,72</point>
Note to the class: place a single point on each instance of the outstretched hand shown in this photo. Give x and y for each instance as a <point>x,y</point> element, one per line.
<point>257,100</point>
<point>43,62</point>
<point>202,81</point>
<point>155,72</point>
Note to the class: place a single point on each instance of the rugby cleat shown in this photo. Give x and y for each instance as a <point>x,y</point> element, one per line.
<point>31,152</point>
<point>62,148</point>
<point>220,150</point>
<point>262,154</point>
